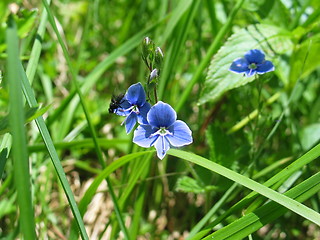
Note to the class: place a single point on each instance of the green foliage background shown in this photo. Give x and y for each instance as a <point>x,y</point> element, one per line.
<point>69,170</point>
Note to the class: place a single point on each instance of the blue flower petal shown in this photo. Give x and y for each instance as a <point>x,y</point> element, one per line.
<point>131,121</point>
<point>142,117</point>
<point>142,136</point>
<point>121,109</point>
<point>162,145</point>
<point>136,95</point>
<point>251,72</point>
<point>125,104</point>
<point>265,67</point>
<point>181,134</point>
<point>161,115</point>
<point>240,65</point>
<point>255,56</point>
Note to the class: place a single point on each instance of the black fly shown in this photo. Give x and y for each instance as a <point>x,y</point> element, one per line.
<point>115,102</point>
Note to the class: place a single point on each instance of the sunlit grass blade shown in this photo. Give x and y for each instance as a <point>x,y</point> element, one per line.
<point>19,142</point>
<point>287,202</point>
<point>273,182</point>
<point>251,222</point>
<point>53,153</point>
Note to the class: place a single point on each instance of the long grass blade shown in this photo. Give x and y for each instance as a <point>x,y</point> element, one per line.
<point>251,222</point>
<point>37,46</point>
<point>53,153</point>
<point>19,141</point>
<point>287,202</point>
<point>88,118</point>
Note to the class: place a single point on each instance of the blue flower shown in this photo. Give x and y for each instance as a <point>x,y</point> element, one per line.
<point>252,63</point>
<point>163,130</point>
<point>134,107</point>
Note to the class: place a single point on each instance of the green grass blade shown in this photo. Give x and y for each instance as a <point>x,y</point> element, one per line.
<point>267,213</point>
<point>176,15</point>
<point>53,154</point>
<point>86,199</point>
<point>19,142</point>
<point>212,211</point>
<point>275,181</point>
<point>139,202</point>
<point>213,49</point>
<point>3,160</point>
<point>88,118</point>
<point>287,202</point>
<point>83,143</point>
<point>37,46</point>
<point>140,168</point>
<point>170,60</point>
<point>105,173</point>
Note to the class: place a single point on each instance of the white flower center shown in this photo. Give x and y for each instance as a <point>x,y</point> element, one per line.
<point>162,132</point>
<point>133,108</point>
<point>253,66</point>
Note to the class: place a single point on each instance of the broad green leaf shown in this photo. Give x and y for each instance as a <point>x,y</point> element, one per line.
<point>26,22</point>
<point>8,206</point>
<point>30,115</point>
<point>310,135</point>
<point>305,59</point>
<point>188,184</point>
<point>220,147</point>
<point>272,40</point>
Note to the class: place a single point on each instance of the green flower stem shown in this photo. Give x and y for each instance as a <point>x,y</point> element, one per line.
<point>253,114</point>
<point>254,149</point>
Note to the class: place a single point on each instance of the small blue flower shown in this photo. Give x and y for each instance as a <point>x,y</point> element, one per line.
<point>252,63</point>
<point>134,107</point>
<point>163,130</point>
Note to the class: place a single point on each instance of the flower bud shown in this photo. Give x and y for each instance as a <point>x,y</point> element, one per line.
<point>153,74</point>
<point>158,57</point>
<point>147,47</point>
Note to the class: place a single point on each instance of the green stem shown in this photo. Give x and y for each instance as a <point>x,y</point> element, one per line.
<point>254,147</point>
